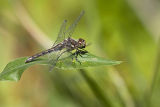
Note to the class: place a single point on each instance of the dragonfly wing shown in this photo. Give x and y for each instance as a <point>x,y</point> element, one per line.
<point>72,27</point>
<point>53,59</point>
<point>61,34</point>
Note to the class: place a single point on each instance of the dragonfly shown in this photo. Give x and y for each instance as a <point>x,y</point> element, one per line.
<point>63,44</point>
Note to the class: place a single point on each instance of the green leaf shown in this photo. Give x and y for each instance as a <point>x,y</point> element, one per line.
<point>14,69</point>
<point>87,60</point>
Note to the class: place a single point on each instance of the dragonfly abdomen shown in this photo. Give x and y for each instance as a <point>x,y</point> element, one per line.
<point>30,59</point>
<point>56,48</point>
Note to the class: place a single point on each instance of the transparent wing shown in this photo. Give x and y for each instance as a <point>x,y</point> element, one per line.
<point>61,34</point>
<point>53,59</point>
<point>72,27</point>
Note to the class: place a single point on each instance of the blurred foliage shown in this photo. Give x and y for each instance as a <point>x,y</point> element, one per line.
<point>115,31</point>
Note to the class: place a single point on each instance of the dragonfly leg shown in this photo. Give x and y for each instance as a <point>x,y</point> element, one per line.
<point>78,61</point>
<point>76,56</point>
<point>81,52</point>
<point>80,55</point>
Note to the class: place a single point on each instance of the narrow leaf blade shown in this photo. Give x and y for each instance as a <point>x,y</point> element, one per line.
<point>14,69</point>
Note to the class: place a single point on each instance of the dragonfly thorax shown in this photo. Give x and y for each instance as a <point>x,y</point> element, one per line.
<point>75,44</point>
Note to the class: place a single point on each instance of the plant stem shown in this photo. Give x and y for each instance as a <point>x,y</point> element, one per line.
<point>155,74</point>
<point>95,89</point>
<point>30,25</point>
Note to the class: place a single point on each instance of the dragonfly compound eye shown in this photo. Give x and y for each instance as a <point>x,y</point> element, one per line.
<point>82,43</point>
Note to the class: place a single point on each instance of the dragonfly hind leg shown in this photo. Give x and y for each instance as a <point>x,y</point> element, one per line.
<point>76,57</point>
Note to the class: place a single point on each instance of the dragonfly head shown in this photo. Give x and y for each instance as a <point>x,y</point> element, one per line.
<point>81,43</point>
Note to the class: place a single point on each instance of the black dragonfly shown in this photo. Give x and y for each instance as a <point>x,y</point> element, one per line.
<point>63,44</point>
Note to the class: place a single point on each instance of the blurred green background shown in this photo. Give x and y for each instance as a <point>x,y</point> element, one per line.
<point>125,30</point>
